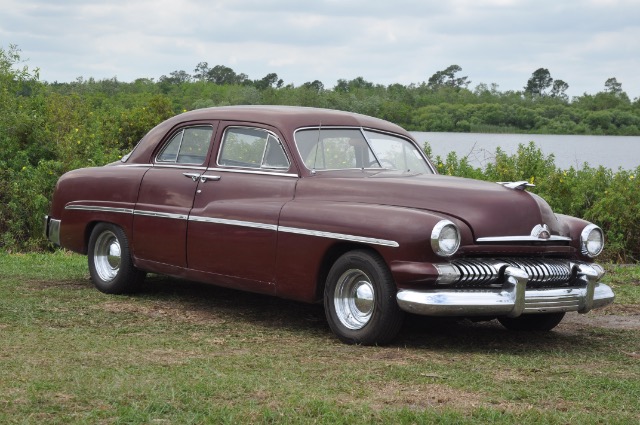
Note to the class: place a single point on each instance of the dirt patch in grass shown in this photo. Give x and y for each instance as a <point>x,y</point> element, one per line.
<point>40,285</point>
<point>440,396</point>
<point>166,309</point>
<point>420,397</point>
<point>611,317</point>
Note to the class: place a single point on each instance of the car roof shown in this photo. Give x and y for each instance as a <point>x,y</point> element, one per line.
<point>287,119</point>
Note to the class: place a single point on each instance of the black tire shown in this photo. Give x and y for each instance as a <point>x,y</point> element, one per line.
<point>532,322</point>
<point>360,300</point>
<point>110,264</point>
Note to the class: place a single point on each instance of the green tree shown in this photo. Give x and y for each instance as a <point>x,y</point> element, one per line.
<point>201,71</point>
<point>176,77</point>
<point>222,75</point>
<point>447,78</point>
<point>558,90</point>
<point>613,86</point>
<point>270,80</point>
<point>539,82</point>
<point>315,85</point>
<point>358,83</point>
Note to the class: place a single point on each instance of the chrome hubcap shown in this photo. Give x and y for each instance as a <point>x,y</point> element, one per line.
<point>107,256</point>
<point>354,299</point>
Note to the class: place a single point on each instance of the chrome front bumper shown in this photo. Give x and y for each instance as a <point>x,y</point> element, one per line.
<point>52,229</point>
<point>513,299</point>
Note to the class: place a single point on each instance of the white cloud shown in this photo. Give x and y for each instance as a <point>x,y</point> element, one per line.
<point>494,41</point>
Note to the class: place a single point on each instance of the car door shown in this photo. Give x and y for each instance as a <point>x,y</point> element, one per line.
<point>166,194</point>
<point>232,228</point>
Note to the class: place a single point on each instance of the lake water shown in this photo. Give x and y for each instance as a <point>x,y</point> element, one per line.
<point>570,151</point>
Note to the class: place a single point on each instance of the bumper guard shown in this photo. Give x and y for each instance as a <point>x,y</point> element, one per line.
<point>52,229</point>
<point>513,299</point>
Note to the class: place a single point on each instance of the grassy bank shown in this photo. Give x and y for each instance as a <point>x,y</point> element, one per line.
<point>181,352</point>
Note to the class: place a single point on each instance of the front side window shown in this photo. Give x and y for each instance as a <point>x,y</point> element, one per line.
<point>335,149</point>
<point>397,153</point>
<point>252,148</point>
<point>187,146</point>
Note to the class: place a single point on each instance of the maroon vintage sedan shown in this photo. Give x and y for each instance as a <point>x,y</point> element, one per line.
<point>320,205</point>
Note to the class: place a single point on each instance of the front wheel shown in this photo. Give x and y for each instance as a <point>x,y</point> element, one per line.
<point>360,300</point>
<point>110,264</point>
<point>532,322</point>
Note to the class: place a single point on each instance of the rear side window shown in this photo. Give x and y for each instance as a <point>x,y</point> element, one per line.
<point>252,148</point>
<point>187,146</point>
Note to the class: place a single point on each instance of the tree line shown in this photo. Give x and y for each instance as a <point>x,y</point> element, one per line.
<point>442,103</point>
<point>48,128</point>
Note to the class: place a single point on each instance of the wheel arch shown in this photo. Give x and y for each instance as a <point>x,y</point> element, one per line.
<point>88,229</point>
<point>330,256</point>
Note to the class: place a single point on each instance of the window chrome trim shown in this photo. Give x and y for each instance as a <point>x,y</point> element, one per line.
<point>251,171</point>
<point>180,167</point>
<point>528,238</point>
<point>135,165</point>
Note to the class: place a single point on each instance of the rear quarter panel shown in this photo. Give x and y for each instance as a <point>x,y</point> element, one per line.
<point>112,187</point>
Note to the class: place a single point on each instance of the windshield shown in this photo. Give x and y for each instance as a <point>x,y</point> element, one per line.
<point>347,148</point>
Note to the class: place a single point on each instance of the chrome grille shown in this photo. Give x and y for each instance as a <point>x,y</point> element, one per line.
<point>477,273</point>
<point>543,272</point>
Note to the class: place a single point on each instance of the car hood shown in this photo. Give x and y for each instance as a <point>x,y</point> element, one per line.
<point>489,209</point>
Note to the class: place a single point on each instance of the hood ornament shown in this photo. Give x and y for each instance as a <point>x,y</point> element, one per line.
<point>541,231</point>
<point>521,185</point>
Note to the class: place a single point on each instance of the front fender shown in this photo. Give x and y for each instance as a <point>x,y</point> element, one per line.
<point>307,230</point>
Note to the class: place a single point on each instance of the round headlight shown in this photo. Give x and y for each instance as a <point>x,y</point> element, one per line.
<point>591,241</point>
<point>445,238</point>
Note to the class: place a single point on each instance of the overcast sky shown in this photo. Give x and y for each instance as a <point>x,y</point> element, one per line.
<point>582,42</point>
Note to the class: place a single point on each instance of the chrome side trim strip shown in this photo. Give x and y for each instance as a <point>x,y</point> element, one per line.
<point>264,226</point>
<point>340,236</point>
<point>523,239</point>
<point>160,215</point>
<point>233,222</point>
<point>99,208</point>
<point>246,171</point>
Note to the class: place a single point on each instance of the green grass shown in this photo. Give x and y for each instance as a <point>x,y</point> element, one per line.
<point>181,352</point>
<point>625,281</point>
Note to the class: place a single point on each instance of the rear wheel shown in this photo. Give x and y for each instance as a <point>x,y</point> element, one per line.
<point>360,300</point>
<point>532,322</point>
<point>110,264</point>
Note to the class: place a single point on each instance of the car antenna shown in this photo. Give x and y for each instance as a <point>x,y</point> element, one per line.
<point>315,157</point>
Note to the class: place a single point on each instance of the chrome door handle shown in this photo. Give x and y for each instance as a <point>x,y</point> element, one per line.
<point>204,178</point>
<point>192,176</point>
